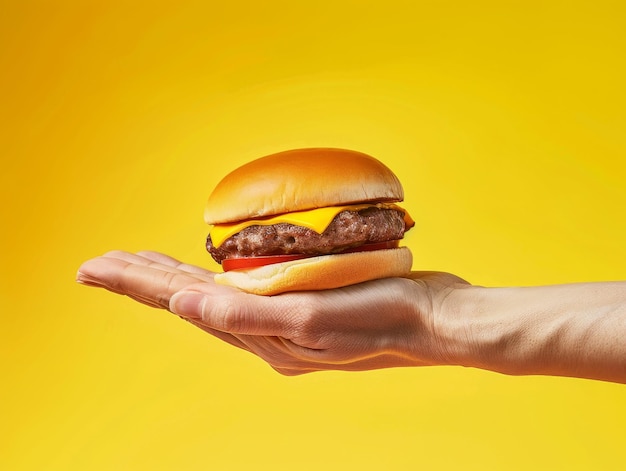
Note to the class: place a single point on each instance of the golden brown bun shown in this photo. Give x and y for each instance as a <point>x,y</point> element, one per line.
<point>323,272</point>
<point>298,180</point>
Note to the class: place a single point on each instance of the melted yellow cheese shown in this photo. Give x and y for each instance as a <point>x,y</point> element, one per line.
<point>314,219</point>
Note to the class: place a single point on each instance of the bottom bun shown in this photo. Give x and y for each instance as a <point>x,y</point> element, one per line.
<point>323,272</point>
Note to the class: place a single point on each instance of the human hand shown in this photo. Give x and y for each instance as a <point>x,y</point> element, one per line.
<point>378,324</point>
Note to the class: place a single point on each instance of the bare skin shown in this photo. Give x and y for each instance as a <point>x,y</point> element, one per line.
<point>427,319</point>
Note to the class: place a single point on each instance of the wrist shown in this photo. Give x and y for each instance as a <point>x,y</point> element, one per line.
<point>505,330</point>
<point>490,334</point>
<point>445,333</point>
<point>467,336</point>
<point>488,328</point>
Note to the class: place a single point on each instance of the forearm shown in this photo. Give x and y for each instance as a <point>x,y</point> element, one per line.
<point>576,330</point>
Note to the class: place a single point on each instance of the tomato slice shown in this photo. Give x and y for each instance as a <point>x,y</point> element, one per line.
<point>253,262</point>
<point>243,263</point>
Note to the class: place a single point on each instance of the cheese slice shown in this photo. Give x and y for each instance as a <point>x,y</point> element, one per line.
<point>315,219</point>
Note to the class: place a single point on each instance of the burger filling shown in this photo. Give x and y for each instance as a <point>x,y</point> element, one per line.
<point>348,230</point>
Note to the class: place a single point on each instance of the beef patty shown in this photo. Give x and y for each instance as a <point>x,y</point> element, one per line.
<point>347,230</point>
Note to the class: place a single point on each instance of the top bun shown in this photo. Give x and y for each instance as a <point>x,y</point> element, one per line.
<point>298,180</point>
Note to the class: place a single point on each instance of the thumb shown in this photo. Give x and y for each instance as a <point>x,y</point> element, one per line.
<point>234,312</point>
<point>188,303</point>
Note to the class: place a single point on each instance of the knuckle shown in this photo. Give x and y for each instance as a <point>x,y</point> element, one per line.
<point>310,330</point>
<point>228,316</point>
<point>169,280</point>
<point>167,286</point>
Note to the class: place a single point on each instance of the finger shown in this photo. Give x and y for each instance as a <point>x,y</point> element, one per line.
<point>148,283</point>
<point>273,351</point>
<point>166,260</point>
<point>266,349</point>
<point>83,276</point>
<point>251,345</point>
<point>292,372</point>
<point>226,337</point>
<point>161,261</point>
<point>297,366</point>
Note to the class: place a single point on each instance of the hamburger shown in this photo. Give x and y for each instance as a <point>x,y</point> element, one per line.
<point>307,219</point>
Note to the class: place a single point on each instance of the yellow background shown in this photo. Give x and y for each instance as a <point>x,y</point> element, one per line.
<point>504,120</point>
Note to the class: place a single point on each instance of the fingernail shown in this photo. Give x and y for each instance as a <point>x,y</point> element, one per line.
<point>187,304</point>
